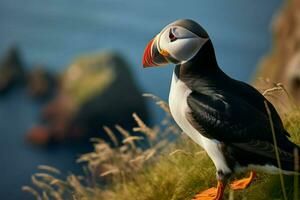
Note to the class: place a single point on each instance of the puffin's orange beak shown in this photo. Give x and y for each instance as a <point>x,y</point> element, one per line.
<point>152,57</point>
<point>147,58</point>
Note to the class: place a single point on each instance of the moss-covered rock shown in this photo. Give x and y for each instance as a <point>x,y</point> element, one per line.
<point>95,90</point>
<point>41,84</point>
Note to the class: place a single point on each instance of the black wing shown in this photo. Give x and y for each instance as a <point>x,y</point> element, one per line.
<point>253,97</point>
<point>228,118</point>
<point>234,121</point>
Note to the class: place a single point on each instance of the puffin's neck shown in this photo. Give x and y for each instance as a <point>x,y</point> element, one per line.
<point>203,65</point>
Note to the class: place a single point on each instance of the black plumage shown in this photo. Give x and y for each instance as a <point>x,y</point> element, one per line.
<point>233,113</point>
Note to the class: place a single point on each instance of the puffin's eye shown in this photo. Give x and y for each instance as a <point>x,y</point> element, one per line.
<point>172,37</point>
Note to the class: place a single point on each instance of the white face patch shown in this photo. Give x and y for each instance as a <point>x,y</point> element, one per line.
<point>180,43</point>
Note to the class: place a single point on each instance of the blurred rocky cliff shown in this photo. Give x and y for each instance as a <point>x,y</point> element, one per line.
<point>95,90</point>
<point>11,70</point>
<point>39,82</point>
<point>282,63</point>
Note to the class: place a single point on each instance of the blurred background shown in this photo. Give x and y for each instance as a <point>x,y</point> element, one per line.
<point>70,67</point>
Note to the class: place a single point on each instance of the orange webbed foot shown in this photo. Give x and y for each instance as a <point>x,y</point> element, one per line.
<point>211,194</point>
<point>243,183</point>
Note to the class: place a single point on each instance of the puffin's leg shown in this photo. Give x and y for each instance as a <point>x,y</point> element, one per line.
<point>214,193</point>
<point>211,193</point>
<point>243,183</point>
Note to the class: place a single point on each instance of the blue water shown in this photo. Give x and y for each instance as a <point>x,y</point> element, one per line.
<point>53,32</point>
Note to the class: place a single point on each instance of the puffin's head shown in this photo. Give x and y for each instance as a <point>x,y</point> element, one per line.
<point>177,43</point>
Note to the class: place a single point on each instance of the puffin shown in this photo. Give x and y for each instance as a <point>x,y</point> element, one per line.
<point>232,121</point>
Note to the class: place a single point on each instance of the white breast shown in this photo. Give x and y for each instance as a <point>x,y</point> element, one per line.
<point>178,106</point>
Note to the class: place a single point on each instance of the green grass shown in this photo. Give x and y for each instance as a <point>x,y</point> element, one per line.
<point>181,176</point>
<point>189,170</point>
<point>166,171</point>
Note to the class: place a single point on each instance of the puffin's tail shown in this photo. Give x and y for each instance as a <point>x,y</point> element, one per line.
<point>292,166</point>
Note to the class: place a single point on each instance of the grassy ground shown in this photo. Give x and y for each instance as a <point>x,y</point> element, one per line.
<point>182,175</point>
<point>167,170</point>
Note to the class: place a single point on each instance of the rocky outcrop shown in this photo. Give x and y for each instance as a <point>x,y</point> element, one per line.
<point>11,70</point>
<point>41,84</point>
<point>282,64</point>
<point>95,90</point>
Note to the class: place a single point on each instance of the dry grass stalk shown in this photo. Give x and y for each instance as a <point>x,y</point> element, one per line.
<point>132,139</point>
<point>276,151</point>
<point>137,159</point>
<point>290,98</point>
<point>50,181</point>
<point>59,183</point>
<point>296,177</point>
<point>32,191</point>
<point>280,87</point>
<point>49,169</point>
<point>143,128</point>
<point>140,159</point>
<point>45,185</point>
<point>75,183</point>
<point>181,152</point>
<point>149,154</point>
<point>126,135</point>
<point>200,153</point>
<point>45,196</point>
<point>162,104</point>
<point>40,184</point>
<point>123,148</point>
<point>111,135</point>
<point>112,171</point>
<point>271,90</point>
